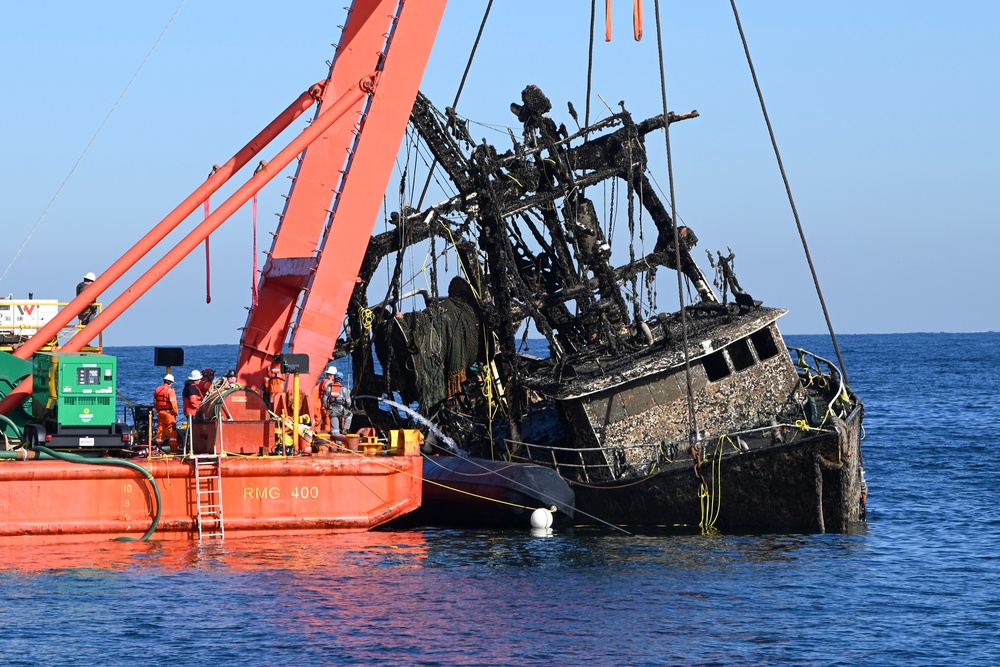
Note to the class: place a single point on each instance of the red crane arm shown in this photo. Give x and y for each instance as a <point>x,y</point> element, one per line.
<point>168,224</point>
<point>347,157</point>
<point>338,188</point>
<point>336,111</point>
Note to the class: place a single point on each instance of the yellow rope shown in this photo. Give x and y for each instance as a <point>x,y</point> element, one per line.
<point>475,495</point>
<point>428,481</point>
<point>465,269</point>
<point>365,318</point>
<point>711,504</point>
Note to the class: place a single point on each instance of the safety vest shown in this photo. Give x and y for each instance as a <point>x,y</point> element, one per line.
<point>334,393</point>
<point>276,381</point>
<point>324,385</point>
<point>192,399</point>
<point>164,398</point>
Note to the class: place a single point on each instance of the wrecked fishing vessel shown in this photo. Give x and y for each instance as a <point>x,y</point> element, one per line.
<point>697,418</point>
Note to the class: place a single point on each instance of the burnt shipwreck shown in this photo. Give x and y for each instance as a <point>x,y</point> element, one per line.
<point>700,418</point>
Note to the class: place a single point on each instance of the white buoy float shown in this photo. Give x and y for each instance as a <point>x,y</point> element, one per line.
<point>541,518</point>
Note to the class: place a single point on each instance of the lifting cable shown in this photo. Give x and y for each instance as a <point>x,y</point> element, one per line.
<point>692,419</point>
<point>788,190</point>
<point>208,252</point>
<point>253,278</point>
<point>458,94</point>
<point>590,62</point>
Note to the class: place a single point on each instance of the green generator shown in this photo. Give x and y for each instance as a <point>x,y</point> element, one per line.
<point>74,403</point>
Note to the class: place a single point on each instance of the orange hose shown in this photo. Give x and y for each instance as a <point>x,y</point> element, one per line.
<point>637,19</point>
<point>607,20</point>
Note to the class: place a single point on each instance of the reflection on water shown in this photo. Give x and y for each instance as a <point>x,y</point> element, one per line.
<point>439,596</point>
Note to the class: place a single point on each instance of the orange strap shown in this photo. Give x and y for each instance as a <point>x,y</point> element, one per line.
<point>637,19</point>
<point>607,20</point>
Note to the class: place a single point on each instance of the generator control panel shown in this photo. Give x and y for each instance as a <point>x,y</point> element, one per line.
<point>75,388</point>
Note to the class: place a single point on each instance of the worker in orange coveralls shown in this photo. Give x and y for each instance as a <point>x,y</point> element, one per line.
<point>274,387</point>
<point>165,403</point>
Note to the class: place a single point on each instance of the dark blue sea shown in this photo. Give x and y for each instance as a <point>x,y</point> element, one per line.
<point>918,585</point>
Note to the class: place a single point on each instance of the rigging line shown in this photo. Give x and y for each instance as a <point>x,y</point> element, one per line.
<point>692,419</point>
<point>86,149</point>
<point>590,62</point>
<point>487,471</point>
<point>458,93</point>
<point>788,190</point>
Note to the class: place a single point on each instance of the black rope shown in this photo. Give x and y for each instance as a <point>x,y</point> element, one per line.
<point>458,94</point>
<point>692,418</point>
<point>788,191</point>
<point>590,62</point>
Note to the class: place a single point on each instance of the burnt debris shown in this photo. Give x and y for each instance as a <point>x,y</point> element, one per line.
<point>532,247</point>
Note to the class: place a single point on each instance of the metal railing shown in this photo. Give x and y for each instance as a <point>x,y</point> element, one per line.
<point>20,319</point>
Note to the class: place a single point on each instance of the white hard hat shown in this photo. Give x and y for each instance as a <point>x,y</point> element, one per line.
<point>168,378</point>
<point>332,370</point>
<point>89,276</point>
<point>195,375</point>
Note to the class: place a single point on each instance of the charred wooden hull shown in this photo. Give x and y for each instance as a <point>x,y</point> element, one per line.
<point>812,484</point>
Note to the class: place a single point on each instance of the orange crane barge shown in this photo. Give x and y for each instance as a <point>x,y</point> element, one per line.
<point>230,481</point>
<point>50,501</point>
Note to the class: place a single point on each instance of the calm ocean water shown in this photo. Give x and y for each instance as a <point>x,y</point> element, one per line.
<point>918,585</point>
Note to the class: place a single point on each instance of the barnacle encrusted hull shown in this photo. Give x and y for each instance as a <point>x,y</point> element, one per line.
<point>812,484</point>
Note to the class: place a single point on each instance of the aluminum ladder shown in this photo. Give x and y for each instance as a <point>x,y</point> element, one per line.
<point>208,495</point>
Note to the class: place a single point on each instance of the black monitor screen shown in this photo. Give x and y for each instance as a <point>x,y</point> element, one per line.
<point>88,376</point>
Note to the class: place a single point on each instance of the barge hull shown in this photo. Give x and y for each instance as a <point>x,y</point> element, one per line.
<point>52,501</point>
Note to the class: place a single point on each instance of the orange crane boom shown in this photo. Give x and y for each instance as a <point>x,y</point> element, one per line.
<point>347,156</point>
<point>338,189</point>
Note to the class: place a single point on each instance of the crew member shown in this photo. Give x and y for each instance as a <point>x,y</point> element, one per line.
<point>231,379</point>
<point>192,401</point>
<point>338,404</point>
<point>192,395</point>
<point>207,378</point>
<point>87,313</point>
<point>324,384</point>
<point>274,386</point>
<point>165,403</point>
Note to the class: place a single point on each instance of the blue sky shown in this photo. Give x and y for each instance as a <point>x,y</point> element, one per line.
<point>886,115</point>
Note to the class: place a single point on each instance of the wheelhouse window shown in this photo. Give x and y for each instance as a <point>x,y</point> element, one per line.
<point>739,352</point>
<point>716,366</point>
<point>763,342</point>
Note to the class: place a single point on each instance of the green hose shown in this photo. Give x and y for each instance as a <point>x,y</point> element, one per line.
<point>17,431</point>
<point>121,463</point>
